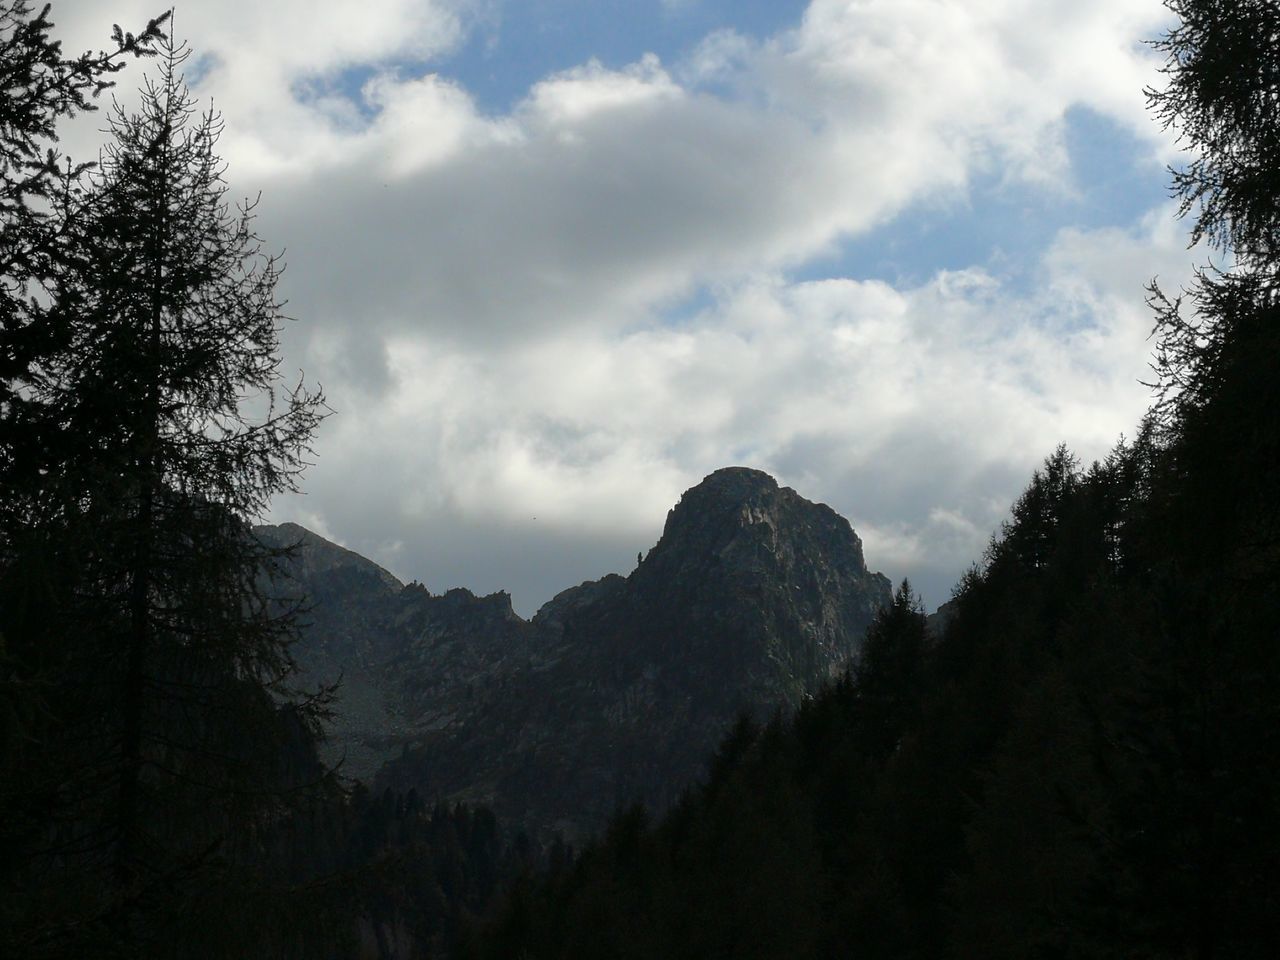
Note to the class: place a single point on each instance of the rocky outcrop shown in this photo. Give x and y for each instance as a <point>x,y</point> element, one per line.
<point>753,595</point>
<point>618,689</point>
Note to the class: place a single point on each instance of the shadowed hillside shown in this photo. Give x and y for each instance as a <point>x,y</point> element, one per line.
<point>617,688</point>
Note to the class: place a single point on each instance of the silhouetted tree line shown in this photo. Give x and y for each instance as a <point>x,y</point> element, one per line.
<point>380,876</point>
<point>1084,761</point>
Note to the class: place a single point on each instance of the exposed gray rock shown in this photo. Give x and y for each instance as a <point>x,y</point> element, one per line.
<point>618,689</point>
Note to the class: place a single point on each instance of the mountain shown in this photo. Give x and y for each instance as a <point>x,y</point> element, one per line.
<point>617,689</point>
<point>408,662</point>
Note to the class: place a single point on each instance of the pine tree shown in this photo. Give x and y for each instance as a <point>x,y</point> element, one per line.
<point>41,87</point>
<point>1223,69</point>
<point>1223,100</point>
<point>1216,576</point>
<point>165,428</point>
<point>890,673</point>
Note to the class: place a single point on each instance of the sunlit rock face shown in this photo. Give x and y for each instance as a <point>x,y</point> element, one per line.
<point>617,690</point>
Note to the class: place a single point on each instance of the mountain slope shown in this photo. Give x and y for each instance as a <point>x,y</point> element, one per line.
<point>618,688</point>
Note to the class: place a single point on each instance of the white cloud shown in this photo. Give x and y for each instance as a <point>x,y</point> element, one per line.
<point>917,413</point>
<point>585,92</point>
<point>265,64</point>
<point>488,298</point>
<point>608,193</point>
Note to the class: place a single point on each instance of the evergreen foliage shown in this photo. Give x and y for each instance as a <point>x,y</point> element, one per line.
<point>153,739</point>
<point>42,87</point>
<point>1083,762</point>
<point>159,789</point>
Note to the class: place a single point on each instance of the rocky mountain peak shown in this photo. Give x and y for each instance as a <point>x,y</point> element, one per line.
<point>496,605</point>
<point>729,486</point>
<point>619,687</point>
<point>738,527</point>
<point>730,497</point>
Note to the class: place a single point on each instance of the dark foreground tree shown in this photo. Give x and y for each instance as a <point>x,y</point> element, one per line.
<point>1223,70</point>
<point>170,742</point>
<point>41,87</point>
<point>890,672</point>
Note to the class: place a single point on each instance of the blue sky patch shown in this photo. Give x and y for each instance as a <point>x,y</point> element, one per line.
<point>1006,227</point>
<point>525,41</point>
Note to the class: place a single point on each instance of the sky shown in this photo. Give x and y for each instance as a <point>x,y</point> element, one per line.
<point>554,261</point>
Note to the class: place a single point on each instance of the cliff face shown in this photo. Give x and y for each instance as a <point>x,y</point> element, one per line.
<point>752,596</point>
<point>618,689</point>
<point>409,663</point>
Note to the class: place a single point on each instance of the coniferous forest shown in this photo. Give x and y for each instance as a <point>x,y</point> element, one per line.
<point>1077,757</point>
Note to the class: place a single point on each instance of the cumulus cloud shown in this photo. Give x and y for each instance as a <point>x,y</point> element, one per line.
<point>268,64</point>
<point>917,413</point>
<point>499,304</point>
<point>608,193</point>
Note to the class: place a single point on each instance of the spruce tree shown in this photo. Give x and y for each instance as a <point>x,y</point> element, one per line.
<point>890,673</point>
<point>41,87</point>
<point>39,772</point>
<point>165,428</point>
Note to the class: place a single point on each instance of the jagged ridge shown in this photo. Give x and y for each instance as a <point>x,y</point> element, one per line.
<point>617,688</point>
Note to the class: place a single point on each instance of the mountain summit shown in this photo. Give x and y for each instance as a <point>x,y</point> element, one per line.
<point>618,688</point>
<point>752,597</point>
<point>744,559</point>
